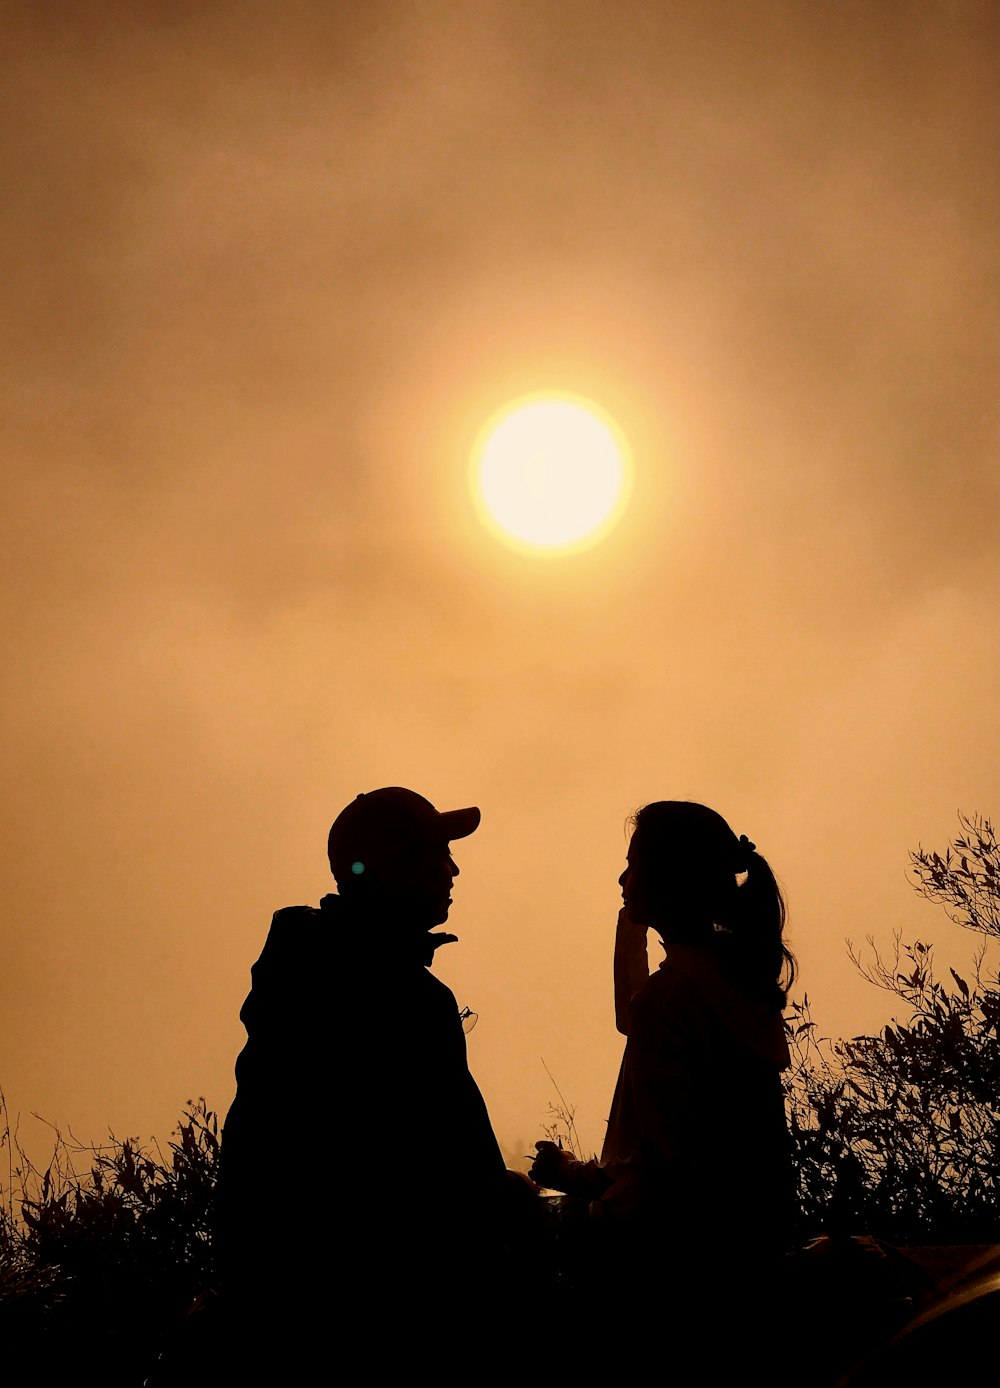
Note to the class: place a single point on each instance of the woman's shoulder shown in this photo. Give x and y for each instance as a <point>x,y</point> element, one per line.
<point>690,980</point>
<point>677,994</point>
<point>686,968</point>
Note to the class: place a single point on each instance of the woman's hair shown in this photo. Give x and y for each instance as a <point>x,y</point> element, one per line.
<point>722,891</point>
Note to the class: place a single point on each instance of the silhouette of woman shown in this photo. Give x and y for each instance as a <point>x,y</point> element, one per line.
<point>692,1196</point>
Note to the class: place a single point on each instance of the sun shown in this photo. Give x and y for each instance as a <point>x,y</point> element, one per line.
<point>551,473</point>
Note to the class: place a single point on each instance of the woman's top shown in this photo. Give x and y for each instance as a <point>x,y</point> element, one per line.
<point>697,1144</point>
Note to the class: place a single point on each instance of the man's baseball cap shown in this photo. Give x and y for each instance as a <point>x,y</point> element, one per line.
<point>389,817</point>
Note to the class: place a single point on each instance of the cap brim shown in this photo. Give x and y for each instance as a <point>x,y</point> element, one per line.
<point>459,824</point>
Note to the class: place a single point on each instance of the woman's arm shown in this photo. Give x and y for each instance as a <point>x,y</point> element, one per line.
<point>631,967</point>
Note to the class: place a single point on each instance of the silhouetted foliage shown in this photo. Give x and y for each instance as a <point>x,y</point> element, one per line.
<point>898,1135</point>
<point>560,1127</point>
<point>109,1258</point>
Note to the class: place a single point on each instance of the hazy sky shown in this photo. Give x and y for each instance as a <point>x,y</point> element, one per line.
<point>266,269</point>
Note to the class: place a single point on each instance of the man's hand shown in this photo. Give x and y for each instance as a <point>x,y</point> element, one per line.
<point>521,1190</point>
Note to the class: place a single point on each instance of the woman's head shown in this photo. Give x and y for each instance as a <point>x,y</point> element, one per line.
<point>691,878</point>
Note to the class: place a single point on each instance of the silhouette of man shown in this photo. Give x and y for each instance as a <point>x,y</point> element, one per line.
<point>358,1151</point>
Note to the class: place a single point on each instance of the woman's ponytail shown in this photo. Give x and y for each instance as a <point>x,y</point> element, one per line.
<point>754,929</point>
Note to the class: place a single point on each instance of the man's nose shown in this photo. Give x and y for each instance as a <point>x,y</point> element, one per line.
<point>621,880</point>
<point>453,866</point>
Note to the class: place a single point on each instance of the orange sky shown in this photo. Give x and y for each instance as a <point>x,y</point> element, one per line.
<point>267,269</point>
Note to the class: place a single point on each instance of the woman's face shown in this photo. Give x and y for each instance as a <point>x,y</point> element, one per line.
<point>633,885</point>
<point>655,896</point>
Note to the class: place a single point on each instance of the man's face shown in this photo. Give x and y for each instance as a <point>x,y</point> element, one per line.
<point>422,877</point>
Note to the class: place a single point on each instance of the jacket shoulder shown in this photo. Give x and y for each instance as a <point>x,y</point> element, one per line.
<point>289,917</point>
<point>287,963</point>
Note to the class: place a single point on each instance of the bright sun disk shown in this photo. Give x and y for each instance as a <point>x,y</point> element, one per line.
<point>550,473</point>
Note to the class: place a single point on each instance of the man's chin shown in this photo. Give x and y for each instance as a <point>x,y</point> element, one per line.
<point>429,914</point>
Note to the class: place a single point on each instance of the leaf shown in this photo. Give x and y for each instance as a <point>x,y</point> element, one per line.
<point>963,986</point>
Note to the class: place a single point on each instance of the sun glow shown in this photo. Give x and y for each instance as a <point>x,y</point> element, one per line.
<point>550,473</point>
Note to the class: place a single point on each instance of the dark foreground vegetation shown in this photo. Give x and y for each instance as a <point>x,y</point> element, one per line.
<point>898,1135</point>
<point>896,1139</point>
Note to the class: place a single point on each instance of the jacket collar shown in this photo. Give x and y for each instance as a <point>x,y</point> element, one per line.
<point>397,941</point>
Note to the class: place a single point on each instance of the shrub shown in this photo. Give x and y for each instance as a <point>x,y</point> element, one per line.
<point>898,1135</point>
<point>109,1258</point>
